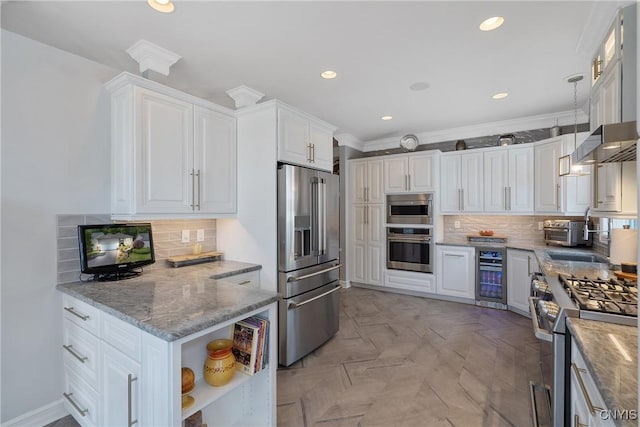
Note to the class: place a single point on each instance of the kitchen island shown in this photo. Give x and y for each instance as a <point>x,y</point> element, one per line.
<point>127,341</point>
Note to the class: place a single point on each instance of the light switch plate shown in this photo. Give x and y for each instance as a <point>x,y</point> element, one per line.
<point>185,236</point>
<point>540,225</point>
<point>200,235</point>
<point>456,224</point>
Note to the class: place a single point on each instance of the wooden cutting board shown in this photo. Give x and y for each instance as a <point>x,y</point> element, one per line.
<point>629,276</point>
<point>182,260</point>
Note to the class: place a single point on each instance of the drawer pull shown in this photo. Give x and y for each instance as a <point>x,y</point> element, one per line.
<point>75,313</point>
<point>130,419</point>
<point>69,348</point>
<point>585,393</point>
<point>245,282</point>
<point>74,404</point>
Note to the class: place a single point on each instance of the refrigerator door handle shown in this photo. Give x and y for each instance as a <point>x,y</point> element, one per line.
<point>306,276</point>
<point>293,305</point>
<point>322,218</point>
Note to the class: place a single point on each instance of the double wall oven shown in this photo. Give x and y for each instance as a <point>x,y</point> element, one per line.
<point>409,233</point>
<point>553,299</point>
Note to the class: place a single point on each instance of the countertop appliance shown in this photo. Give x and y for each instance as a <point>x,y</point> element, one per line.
<point>491,278</point>
<point>565,232</point>
<point>308,250</point>
<point>410,249</point>
<point>552,301</point>
<point>410,208</point>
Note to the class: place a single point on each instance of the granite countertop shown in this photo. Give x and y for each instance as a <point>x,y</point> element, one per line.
<point>226,268</point>
<point>615,373</point>
<point>172,303</point>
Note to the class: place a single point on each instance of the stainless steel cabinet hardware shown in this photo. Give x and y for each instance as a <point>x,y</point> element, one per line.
<point>528,265</point>
<point>509,198</point>
<point>74,404</point>
<point>505,199</point>
<point>75,313</point>
<point>459,199</point>
<point>199,188</point>
<point>313,153</point>
<point>577,423</point>
<point>366,215</point>
<point>78,356</point>
<point>577,371</point>
<point>130,419</point>
<point>300,304</point>
<point>309,153</point>
<point>558,196</point>
<point>408,182</point>
<point>366,194</point>
<point>462,198</point>
<point>244,282</point>
<point>597,68</point>
<point>306,276</point>
<point>537,330</point>
<point>193,189</point>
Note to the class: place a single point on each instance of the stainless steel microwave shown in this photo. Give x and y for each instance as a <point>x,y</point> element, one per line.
<point>410,208</point>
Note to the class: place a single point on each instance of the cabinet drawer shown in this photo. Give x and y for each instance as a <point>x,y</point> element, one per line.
<point>82,314</point>
<point>122,335</point>
<point>81,400</point>
<point>421,282</point>
<point>251,279</point>
<point>81,350</point>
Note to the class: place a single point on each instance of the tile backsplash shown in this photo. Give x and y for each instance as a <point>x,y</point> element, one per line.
<point>517,228</point>
<point>167,240</point>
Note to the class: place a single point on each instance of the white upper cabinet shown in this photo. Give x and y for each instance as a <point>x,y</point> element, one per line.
<point>508,179</point>
<point>547,181</point>
<point>172,155</point>
<point>576,191</point>
<point>462,182</point>
<point>407,173</point>
<point>303,140</point>
<point>365,180</point>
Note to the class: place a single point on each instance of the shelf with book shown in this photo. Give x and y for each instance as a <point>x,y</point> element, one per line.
<point>246,399</point>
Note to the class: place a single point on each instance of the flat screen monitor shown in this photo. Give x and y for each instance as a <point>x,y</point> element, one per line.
<point>115,251</point>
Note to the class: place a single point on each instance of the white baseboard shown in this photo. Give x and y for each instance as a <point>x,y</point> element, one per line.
<point>39,417</point>
<point>345,284</point>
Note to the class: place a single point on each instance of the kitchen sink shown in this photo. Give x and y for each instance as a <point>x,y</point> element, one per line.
<point>572,256</point>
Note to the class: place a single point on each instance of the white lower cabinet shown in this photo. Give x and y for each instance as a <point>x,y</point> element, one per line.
<point>587,407</point>
<point>456,271</point>
<point>366,244</point>
<point>119,375</point>
<point>250,279</point>
<point>409,280</point>
<point>520,266</point>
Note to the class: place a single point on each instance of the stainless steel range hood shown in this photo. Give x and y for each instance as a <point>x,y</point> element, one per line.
<point>608,144</point>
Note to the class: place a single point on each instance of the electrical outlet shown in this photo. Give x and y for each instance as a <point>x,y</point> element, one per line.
<point>456,224</point>
<point>185,236</point>
<point>200,235</point>
<point>540,225</point>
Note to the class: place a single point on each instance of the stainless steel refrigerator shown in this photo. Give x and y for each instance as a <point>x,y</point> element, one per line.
<point>308,250</point>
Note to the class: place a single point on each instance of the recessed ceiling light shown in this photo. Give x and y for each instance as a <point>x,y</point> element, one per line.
<point>329,74</point>
<point>164,6</point>
<point>500,95</point>
<point>491,23</point>
<point>385,118</point>
<point>419,86</point>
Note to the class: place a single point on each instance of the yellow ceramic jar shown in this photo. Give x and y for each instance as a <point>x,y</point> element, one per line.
<point>220,365</point>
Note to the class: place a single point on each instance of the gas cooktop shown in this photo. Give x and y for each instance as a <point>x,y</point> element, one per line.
<point>613,296</point>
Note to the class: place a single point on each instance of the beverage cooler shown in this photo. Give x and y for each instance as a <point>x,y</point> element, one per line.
<point>491,276</point>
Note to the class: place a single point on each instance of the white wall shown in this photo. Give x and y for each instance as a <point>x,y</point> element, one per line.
<point>252,236</point>
<point>55,159</point>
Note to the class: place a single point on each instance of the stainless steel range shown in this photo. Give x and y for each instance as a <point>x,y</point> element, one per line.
<point>552,301</point>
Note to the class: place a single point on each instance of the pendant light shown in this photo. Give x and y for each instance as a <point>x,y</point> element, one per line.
<point>565,167</point>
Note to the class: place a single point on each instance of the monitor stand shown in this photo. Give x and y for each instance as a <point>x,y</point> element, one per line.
<point>116,275</point>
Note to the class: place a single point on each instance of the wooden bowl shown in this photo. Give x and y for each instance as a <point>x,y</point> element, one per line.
<point>486,232</point>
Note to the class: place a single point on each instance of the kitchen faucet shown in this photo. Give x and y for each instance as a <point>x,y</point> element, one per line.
<point>587,219</point>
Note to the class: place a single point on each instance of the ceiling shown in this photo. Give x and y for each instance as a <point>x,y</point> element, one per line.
<point>379,49</point>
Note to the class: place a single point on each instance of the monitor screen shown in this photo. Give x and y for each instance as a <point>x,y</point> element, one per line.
<point>114,248</point>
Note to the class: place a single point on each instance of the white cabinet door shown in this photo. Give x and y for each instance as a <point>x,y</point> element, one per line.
<point>303,142</point>
<point>595,112</point>
<point>421,172</point>
<point>215,162</point>
<point>450,184</point>
<point>375,193</point>
<point>547,191</point>
<point>164,152</point>
<point>471,176</point>
<point>358,181</point>
<point>358,244</point>
<point>520,188</point>
<point>396,175</point>
<point>322,148</point>
<point>520,266</point>
<point>120,389</point>
<point>366,245</point>
<point>375,244</point>
<point>610,93</point>
<point>420,282</point>
<point>293,138</point>
<point>609,187</point>
<point>496,180</point>
<point>577,191</point>
<point>456,271</point>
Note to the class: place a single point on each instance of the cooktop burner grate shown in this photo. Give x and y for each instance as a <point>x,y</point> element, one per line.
<point>611,296</point>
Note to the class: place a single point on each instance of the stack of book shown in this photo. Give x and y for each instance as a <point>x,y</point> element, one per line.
<point>251,344</point>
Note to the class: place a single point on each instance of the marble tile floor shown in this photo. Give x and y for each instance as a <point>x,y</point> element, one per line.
<point>404,361</point>
<point>400,360</point>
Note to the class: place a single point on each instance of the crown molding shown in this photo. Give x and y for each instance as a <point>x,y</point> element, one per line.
<point>348,140</point>
<point>244,96</point>
<point>563,118</point>
<point>152,57</point>
<point>595,28</point>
